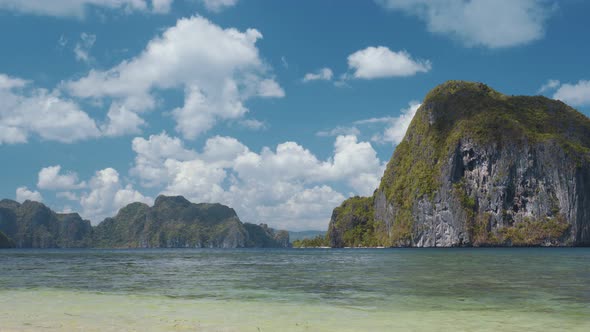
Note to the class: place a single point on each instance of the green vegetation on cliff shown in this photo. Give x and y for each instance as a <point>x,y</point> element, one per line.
<point>171,222</point>
<point>320,241</point>
<point>262,236</point>
<point>353,224</point>
<point>452,114</point>
<point>5,241</point>
<point>33,225</point>
<point>458,110</point>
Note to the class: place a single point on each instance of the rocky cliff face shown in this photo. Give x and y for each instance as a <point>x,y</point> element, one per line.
<point>34,225</point>
<point>478,168</point>
<point>5,241</point>
<point>262,236</point>
<point>174,222</point>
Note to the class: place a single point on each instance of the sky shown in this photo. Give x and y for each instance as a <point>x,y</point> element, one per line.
<point>279,109</point>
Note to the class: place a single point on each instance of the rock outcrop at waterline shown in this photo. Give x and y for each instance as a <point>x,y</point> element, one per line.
<point>173,222</point>
<point>34,225</point>
<point>479,168</point>
<point>5,241</point>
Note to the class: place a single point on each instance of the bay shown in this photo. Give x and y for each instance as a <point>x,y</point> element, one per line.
<point>463,289</point>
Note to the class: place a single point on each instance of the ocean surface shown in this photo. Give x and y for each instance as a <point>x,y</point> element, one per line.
<point>533,289</point>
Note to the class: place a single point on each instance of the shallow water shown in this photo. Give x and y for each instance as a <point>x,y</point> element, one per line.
<point>296,290</point>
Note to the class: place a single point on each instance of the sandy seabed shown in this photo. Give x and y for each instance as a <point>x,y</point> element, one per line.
<point>58,310</point>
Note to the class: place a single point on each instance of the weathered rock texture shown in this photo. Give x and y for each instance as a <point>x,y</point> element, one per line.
<point>173,222</point>
<point>5,241</point>
<point>479,168</point>
<point>34,225</point>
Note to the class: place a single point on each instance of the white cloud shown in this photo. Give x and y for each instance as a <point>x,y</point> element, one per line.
<point>50,178</point>
<point>7,82</point>
<point>493,24</point>
<point>23,194</point>
<point>306,209</point>
<point>339,131</point>
<point>150,155</point>
<point>270,89</point>
<point>256,184</point>
<point>198,113</point>
<point>324,74</point>
<point>218,5</point>
<point>574,94</point>
<point>37,111</point>
<point>161,6</point>
<point>219,69</point>
<point>82,49</point>
<point>70,196</point>
<point>223,151</point>
<point>549,85</point>
<point>398,126</point>
<point>385,119</point>
<point>121,121</point>
<point>78,8</point>
<point>253,124</point>
<point>66,210</point>
<point>380,62</point>
<point>107,195</point>
<point>395,127</point>
<point>196,179</point>
<point>287,186</point>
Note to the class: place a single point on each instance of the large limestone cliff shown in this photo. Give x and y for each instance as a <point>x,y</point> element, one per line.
<point>479,168</point>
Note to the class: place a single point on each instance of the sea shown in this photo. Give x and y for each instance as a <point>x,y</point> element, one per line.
<point>462,289</point>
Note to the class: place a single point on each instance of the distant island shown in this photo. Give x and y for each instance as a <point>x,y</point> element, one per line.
<point>173,222</point>
<point>477,168</point>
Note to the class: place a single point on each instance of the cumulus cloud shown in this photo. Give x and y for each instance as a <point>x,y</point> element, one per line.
<point>161,6</point>
<point>107,195</point>
<point>78,8</point>
<point>301,211</point>
<point>253,124</point>
<point>396,126</point>
<point>121,121</point>
<point>7,82</point>
<point>151,153</point>
<point>549,85</point>
<point>577,94</point>
<point>218,5</point>
<point>24,112</point>
<point>259,185</point>
<point>391,129</point>
<point>324,74</point>
<point>23,194</point>
<point>380,62</point>
<point>68,195</point>
<point>50,178</point>
<point>270,88</point>
<point>340,130</point>
<point>493,24</point>
<point>219,69</point>
<point>82,48</point>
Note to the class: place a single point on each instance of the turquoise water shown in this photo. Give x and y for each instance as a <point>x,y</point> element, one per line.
<point>296,290</point>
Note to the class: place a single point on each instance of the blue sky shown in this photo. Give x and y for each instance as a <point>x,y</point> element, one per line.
<point>280,109</point>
